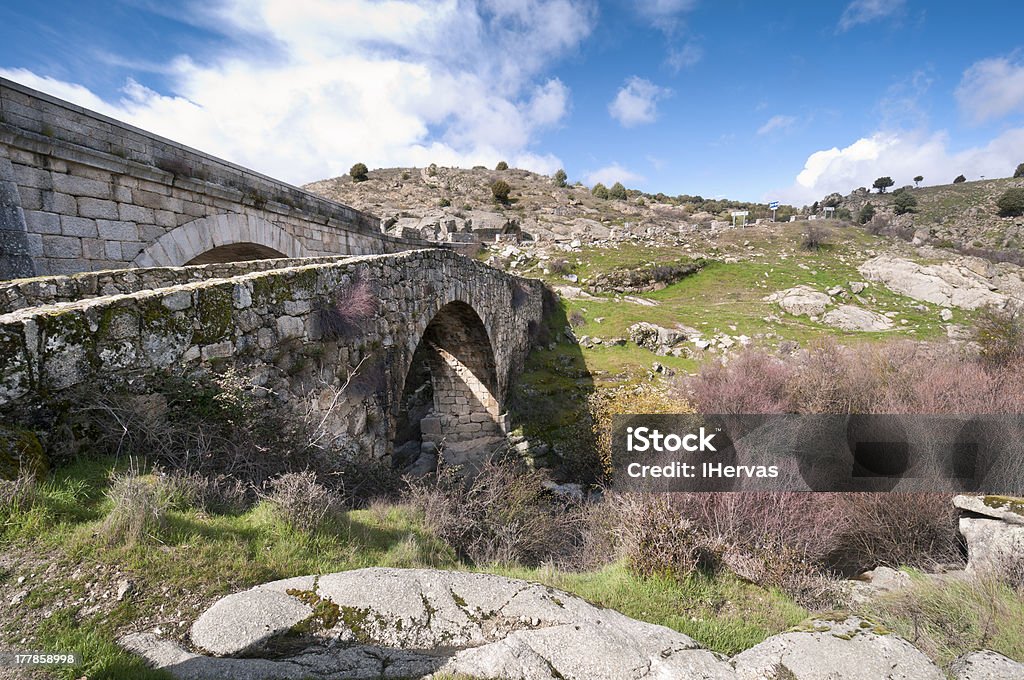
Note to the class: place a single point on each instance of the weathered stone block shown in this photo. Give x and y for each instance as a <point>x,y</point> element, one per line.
<point>97,208</point>
<point>81,186</point>
<point>42,222</point>
<point>62,246</point>
<point>290,327</point>
<point>135,213</point>
<point>117,231</point>
<point>78,226</point>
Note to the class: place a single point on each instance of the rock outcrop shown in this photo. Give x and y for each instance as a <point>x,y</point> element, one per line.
<point>967,283</point>
<point>986,665</point>
<point>993,527</point>
<point>801,301</point>
<point>853,318</point>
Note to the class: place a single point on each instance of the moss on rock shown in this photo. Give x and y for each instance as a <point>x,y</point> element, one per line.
<point>21,453</point>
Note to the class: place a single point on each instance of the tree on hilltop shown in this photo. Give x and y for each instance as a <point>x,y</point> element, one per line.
<point>561,177</point>
<point>600,191</point>
<point>358,172</point>
<point>918,180</point>
<point>883,183</point>
<point>1019,172</point>
<point>502,165</point>
<point>618,192</point>
<point>960,179</point>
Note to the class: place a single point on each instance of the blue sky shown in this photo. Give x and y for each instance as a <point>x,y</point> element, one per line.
<point>725,98</point>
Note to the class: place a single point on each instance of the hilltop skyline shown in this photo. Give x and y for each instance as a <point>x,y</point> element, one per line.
<point>728,99</point>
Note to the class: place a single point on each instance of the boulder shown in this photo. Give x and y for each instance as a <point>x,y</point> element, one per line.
<point>878,581</point>
<point>658,339</point>
<point>853,318</point>
<point>986,665</point>
<point>854,649</point>
<point>993,527</point>
<point>408,623</point>
<point>950,284</point>
<point>801,300</point>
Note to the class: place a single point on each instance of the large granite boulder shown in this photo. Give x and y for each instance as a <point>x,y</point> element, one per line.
<point>986,665</point>
<point>853,318</point>
<point>993,527</point>
<point>961,283</point>
<point>410,623</point>
<point>801,301</point>
<point>854,649</point>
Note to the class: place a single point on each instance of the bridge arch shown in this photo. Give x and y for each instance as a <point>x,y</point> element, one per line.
<point>220,238</point>
<point>450,395</point>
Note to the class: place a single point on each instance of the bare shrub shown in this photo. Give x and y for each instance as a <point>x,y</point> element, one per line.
<point>558,265</point>
<point>347,313</point>
<point>657,538</point>
<point>219,493</point>
<point>753,382</point>
<point>301,501</point>
<point>502,515</point>
<point>576,318</point>
<point>1000,335</point>
<point>141,504</point>
<point>815,237</point>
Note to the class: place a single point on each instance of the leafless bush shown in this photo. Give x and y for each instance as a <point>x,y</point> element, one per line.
<point>501,515</point>
<point>753,382</point>
<point>219,493</point>
<point>558,265</point>
<point>140,506</point>
<point>301,500</point>
<point>576,318</point>
<point>346,314</point>
<point>1000,334</point>
<point>815,237</point>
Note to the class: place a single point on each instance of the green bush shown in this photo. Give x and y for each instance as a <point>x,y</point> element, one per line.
<point>618,192</point>
<point>561,177</point>
<point>866,213</point>
<point>500,190</point>
<point>904,203</point>
<point>1019,172</point>
<point>358,172</point>
<point>600,191</point>
<point>502,165</point>
<point>1011,203</point>
<point>1000,336</point>
<point>960,179</point>
<point>444,202</point>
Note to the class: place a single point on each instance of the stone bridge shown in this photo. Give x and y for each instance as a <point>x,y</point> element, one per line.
<point>83,192</point>
<point>380,353</point>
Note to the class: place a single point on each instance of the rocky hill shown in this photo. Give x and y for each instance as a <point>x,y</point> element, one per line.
<point>962,216</point>
<point>455,204</point>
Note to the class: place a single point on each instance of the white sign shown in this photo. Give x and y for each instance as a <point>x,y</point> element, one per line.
<point>741,213</point>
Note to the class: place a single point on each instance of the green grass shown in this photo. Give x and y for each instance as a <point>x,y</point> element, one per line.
<point>197,557</point>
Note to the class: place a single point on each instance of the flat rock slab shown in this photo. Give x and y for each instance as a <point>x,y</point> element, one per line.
<point>997,507</point>
<point>986,665</point>
<point>801,300</point>
<point>410,623</point>
<point>852,649</point>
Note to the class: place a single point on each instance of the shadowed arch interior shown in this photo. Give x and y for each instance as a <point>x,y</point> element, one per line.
<point>236,252</point>
<point>449,400</point>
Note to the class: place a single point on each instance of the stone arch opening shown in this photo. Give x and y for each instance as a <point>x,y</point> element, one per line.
<point>236,236</point>
<point>236,252</point>
<point>449,402</point>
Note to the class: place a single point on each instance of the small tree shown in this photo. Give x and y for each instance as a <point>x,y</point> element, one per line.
<point>618,192</point>
<point>1019,172</point>
<point>560,177</point>
<point>883,183</point>
<point>904,203</point>
<point>500,190</point>
<point>867,212</point>
<point>1011,203</point>
<point>960,179</point>
<point>600,191</point>
<point>502,165</point>
<point>918,180</point>
<point>358,172</point>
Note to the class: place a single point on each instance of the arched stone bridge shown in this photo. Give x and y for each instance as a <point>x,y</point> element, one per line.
<point>80,191</point>
<point>380,352</point>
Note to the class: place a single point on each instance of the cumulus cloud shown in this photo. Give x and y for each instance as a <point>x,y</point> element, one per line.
<point>776,123</point>
<point>664,14</point>
<point>992,88</point>
<point>901,156</point>
<point>400,82</point>
<point>610,174</point>
<point>637,102</point>
<point>865,11</point>
<point>684,57</point>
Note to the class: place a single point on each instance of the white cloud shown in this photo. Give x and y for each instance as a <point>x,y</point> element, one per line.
<point>992,88</point>
<point>664,14</point>
<point>637,102</point>
<point>610,174</point>
<point>776,123</point>
<point>397,82</point>
<point>684,57</point>
<point>866,11</point>
<point>901,156</point>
